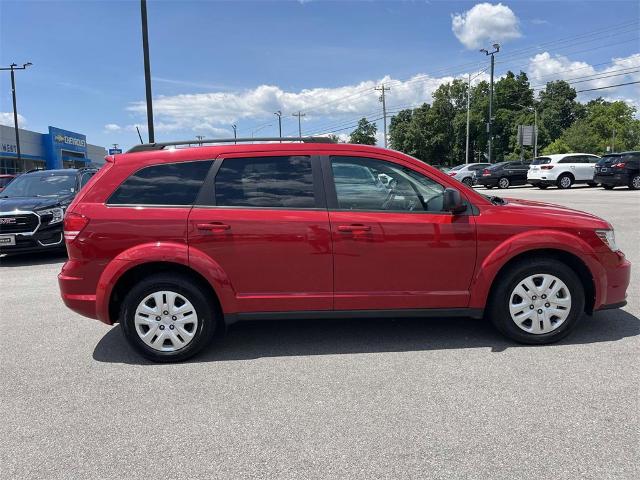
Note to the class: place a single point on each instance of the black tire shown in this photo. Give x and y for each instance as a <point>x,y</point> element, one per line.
<point>564,184</point>
<point>498,308</point>
<point>608,187</point>
<point>543,187</point>
<point>634,182</point>
<point>488,187</point>
<point>592,184</point>
<point>468,181</point>
<point>504,183</point>
<point>204,307</point>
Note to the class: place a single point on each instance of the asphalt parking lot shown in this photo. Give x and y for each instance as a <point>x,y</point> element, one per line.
<point>333,399</point>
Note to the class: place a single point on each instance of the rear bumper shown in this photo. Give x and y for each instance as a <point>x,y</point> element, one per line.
<point>490,181</point>
<point>78,288</point>
<point>615,180</point>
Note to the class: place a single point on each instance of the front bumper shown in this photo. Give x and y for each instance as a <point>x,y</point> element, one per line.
<point>618,277</point>
<point>44,239</point>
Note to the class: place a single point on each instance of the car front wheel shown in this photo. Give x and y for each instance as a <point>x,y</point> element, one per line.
<point>537,302</point>
<point>634,183</point>
<point>168,318</point>
<point>468,181</point>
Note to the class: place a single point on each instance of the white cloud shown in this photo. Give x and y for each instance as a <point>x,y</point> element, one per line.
<point>112,127</point>
<point>6,118</point>
<point>485,23</point>
<point>215,112</point>
<point>545,67</point>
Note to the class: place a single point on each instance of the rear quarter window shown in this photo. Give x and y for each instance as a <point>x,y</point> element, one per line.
<point>541,161</point>
<point>164,184</point>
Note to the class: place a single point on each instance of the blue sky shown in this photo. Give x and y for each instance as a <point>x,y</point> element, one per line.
<point>218,63</point>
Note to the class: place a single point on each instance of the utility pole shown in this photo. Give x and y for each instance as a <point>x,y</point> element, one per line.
<point>13,67</point>
<point>496,47</point>
<point>147,69</point>
<point>279,115</point>
<point>535,132</point>
<point>613,141</point>
<point>299,115</point>
<point>383,89</point>
<point>200,138</point>
<point>235,133</point>
<point>466,154</point>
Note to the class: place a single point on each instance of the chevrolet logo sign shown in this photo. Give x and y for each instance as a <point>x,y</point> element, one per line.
<point>8,221</point>
<point>59,138</point>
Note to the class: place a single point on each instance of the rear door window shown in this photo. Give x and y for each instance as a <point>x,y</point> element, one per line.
<point>266,182</point>
<point>164,184</point>
<point>572,159</point>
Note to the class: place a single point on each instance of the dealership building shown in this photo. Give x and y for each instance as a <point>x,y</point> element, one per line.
<point>57,149</point>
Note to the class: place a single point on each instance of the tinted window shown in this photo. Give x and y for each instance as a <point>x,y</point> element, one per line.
<point>592,159</point>
<point>86,176</point>
<point>574,159</point>
<point>4,181</point>
<point>370,184</point>
<point>479,167</point>
<point>268,182</point>
<point>541,161</point>
<point>166,184</point>
<point>514,165</point>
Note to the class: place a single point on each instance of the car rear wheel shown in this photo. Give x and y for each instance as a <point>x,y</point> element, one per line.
<point>504,182</point>
<point>168,318</point>
<point>634,183</point>
<point>592,184</point>
<point>565,181</point>
<point>468,181</point>
<point>537,301</point>
<point>543,187</point>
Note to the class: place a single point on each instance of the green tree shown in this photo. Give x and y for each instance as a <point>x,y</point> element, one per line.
<point>558,108</point>
<point>365,133</point>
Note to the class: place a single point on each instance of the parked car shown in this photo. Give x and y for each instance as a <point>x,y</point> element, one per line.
<point>562,170</point>
<point>177,243</point>
<point>618,169</point>
<point>466,173</point>
<point>504,174</point>
<point>5,179</point>
<point>32,208</point>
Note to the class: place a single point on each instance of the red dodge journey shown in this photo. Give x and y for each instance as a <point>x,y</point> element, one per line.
<point>176,243</point>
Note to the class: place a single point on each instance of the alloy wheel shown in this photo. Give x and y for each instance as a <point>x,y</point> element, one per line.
<point>166,321</point>
<point>565,182</point>
<point>503,182</point>
<point>540,303</point>
<point>635,182</point>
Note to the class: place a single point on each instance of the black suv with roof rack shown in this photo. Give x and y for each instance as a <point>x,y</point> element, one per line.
<point>32,208</point>
<point>618,170</point>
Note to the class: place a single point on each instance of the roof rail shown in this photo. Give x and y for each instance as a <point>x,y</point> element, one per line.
<point>198,143</point>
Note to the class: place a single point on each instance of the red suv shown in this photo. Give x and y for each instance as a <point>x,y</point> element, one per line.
<point>176,243</point>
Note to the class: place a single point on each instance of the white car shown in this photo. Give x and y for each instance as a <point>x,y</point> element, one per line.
<point>466,172</point>
<point>562,170</point>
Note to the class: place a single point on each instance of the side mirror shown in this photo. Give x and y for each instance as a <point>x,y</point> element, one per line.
<point>453,201</point>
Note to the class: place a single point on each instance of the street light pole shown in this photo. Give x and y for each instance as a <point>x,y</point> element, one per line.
<point>496,47</point>
<point>466,154</point>
<point>279,115</point>
<point>147,69</point>
<point>13,67</point>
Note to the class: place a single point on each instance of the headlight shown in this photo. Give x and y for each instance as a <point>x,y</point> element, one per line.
<point>56,214</point>
<point>609,238</point>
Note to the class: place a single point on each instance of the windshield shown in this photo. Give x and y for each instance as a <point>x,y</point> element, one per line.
<point>541,161</point>
<point>607,159</point>
<point>458,167</point>
<point>41,186</point>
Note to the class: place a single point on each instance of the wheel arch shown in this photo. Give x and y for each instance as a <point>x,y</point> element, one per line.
<point>133,275</point>
<point>572,261</point>
<point>562,246</point>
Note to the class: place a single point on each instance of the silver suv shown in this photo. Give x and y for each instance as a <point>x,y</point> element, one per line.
<point>466,173</point>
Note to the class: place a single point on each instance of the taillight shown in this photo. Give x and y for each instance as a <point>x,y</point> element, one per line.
<point>452,174</point>
<point>74,223</point>
<point>486,172</point>
<point>546,167</point>
<point>619,165</point>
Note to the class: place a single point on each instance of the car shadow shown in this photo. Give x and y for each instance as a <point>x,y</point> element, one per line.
<point>31,259</point>
<point>258,339</point>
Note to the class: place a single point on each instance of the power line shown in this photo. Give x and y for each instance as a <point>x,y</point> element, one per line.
<point>610,86</point>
